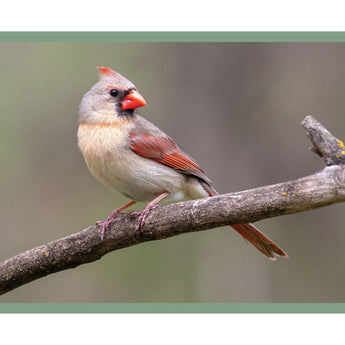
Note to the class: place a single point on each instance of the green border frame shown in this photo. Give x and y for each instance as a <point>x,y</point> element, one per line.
<point>174,308</point>
<point>172,36</point>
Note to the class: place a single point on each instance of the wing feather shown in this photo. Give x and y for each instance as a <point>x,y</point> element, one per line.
<point>164,150</point>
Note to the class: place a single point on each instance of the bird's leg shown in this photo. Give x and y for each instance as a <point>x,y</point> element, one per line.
<point>113,214</point>
<point>152,204</point>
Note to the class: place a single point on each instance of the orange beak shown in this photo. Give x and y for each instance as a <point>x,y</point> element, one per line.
<point>133,100</point>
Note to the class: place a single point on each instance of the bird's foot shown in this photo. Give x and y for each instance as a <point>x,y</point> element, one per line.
<point>151,205</point>
<point>113,214</point>
<point>106,222</point>
<point>143,216</point>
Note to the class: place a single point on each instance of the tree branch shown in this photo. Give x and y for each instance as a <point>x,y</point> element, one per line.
<point>320,189</point>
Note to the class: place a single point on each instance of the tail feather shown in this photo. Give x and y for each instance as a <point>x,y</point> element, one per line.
<point>251,233</point>
<point>261,242</point>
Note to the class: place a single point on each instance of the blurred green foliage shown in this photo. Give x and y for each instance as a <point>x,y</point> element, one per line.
<point>235,107</point>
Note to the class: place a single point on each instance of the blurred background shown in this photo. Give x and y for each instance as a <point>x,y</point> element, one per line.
<point>235,107</point>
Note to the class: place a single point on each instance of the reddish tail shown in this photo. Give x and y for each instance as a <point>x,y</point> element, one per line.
<point>254,236</point>
<point>251,233</point>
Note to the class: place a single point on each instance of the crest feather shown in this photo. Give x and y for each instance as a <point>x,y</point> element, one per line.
<point>106,71</point>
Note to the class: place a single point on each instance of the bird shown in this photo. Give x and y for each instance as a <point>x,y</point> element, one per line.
<point>132,156</point>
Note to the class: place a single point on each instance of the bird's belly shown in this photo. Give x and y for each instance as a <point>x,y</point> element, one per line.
<point>141,180</point>
<point>122,170</point>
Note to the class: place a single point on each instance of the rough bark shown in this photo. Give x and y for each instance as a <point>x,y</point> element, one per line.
<point>320,189</point>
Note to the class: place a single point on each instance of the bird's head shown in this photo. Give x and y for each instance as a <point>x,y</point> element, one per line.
<point>113,98</point>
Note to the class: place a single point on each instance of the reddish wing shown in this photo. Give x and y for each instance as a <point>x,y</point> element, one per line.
<point>163,150</point>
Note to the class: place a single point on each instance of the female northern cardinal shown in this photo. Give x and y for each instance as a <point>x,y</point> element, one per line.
<point>132,156</point>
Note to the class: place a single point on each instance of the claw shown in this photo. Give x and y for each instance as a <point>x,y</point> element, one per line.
<point>143,217</point>
<point>151,205</point>
<point>106,222</point>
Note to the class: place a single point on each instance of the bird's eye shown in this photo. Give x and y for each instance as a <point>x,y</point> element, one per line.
<point>113,92</point>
